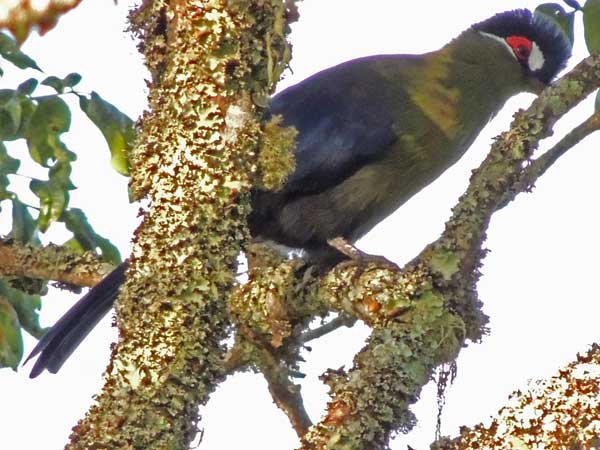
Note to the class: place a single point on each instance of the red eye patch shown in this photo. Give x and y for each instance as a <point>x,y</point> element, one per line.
<point>521,46</point>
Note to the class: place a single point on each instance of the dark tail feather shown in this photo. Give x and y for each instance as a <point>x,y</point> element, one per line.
<point>64,337</point>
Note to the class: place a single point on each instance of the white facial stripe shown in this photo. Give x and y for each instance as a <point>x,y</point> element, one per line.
<point>499,39</point>
<point>536,58</point>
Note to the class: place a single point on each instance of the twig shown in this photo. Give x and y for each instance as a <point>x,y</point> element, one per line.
<point>51,263</point>
<point>247,350</point>
<point>540,165</point>
<point>286,394</point>
<point>340,321</point>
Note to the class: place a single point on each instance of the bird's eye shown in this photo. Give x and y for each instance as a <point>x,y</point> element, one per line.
<point>522,52</point>
<point>521,46</point>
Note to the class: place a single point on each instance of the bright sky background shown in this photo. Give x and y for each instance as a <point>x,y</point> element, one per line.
<point>538,285</point>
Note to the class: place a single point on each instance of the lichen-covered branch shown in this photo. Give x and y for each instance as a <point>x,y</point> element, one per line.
<point>539,166</point>
<point>338,322</point>
<point>194,160</point>
<point>561,412</point>
<point>285,393</point>
<point>413,332</point>
<point>277,302</point>
<point>51,262</point>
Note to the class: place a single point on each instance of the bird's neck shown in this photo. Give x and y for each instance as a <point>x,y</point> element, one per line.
<point>466,83</point>
<point>483,67</point>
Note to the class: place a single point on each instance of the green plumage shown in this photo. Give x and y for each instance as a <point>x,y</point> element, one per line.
<point>375,131</point>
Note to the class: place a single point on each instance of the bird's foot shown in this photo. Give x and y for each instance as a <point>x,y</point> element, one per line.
<point>358,257</point>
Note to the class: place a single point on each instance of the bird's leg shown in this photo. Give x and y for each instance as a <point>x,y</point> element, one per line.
<point>358,256</point>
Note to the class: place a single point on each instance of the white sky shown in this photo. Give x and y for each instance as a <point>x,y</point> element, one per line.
<point>539,279</point>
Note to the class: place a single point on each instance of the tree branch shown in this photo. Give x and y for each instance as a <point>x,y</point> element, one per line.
<point>51,262</point>
<point>286,394</point>
<point>539,166</point>
<point>338,322</point>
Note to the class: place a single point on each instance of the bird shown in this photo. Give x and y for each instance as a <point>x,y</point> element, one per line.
<point>372,132</point>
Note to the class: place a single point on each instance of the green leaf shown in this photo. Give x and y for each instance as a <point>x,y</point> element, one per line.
<point>573,4</point>
<point>10,114</point>
<point>54,198</point>
<point>53,114</point>
<point>74,245</point>
<point>15,111</point>
<point>24,228</point>
<point>60,173</point>
<point>116,127</point>
<point>556,13</point>
<point>26,306</point>
<point>60,85</point>
<point>11,340</point>
<point>51,118</point>
<point>16,108</point>
<point>28,86</point>
<point>591,24</point>
<point>55,83</point>
<point>71,80</point>
<point>28,107</point>
<point>85,238</point>
<point>8,165</point>
<point>10,51</point>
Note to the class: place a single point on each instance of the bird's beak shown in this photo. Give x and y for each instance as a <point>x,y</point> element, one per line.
<point>535,86</point>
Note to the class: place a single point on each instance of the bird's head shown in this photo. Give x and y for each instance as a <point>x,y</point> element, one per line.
<point>535,42</point>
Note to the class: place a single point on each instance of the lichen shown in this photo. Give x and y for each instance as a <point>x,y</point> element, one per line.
<point>560,412</point>
<point>276,158</point>
<point>387,376</point>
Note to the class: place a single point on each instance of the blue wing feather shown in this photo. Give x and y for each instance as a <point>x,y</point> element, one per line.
<point>343,123</point>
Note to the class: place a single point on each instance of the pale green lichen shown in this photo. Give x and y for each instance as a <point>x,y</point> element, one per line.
<point>445,263</point>
<point>275,300</point>
<point>388,374</point>
<point>276,159</point>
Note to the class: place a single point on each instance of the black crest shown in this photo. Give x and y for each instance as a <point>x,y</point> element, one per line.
<point>551,40</point>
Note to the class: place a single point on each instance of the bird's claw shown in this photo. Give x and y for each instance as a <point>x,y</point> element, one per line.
<point>358,258</point>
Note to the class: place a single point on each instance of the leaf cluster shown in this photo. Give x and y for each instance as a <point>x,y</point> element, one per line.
<point>40,121</point>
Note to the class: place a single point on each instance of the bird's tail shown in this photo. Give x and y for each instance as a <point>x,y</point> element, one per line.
<point>64,337</point>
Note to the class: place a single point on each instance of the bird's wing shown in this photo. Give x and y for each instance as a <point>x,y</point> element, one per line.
<point>343,123</point>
